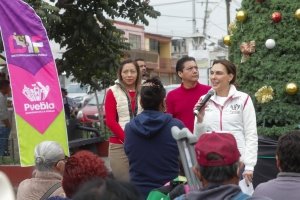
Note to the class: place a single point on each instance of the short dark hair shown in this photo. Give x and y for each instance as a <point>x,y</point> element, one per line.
<point>107,189</point>
<point>218,174</point>
<point>181,61</point>
<point>152,94</point>
<point>4,84</point>
<point>119,73</point>
<point>230,67</point>
<point>287,151</point>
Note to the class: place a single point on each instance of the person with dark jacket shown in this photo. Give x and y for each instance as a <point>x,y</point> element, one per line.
<point>107,189</point>
<point>217,168</point>
<point>152,152</point>
<point>287,183</point>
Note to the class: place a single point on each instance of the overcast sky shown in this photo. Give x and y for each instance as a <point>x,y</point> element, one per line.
<point>176,17</point>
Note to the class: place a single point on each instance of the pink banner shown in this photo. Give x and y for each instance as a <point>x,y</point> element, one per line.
<point>36,91</point>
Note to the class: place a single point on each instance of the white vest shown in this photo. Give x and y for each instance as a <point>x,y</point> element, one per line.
<point>122,105</point>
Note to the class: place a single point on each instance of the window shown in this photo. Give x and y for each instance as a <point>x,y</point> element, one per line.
<point>154,45</point>
<point>135,41</point>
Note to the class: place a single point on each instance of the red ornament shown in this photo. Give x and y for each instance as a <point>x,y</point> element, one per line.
<point>276,17</point>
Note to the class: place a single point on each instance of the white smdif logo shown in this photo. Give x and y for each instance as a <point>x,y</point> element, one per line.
<point>38,92</point>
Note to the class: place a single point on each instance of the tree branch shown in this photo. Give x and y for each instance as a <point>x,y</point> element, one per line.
<point>2,57</point>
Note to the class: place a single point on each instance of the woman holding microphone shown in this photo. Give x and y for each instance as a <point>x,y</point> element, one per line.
<point>231,111</point>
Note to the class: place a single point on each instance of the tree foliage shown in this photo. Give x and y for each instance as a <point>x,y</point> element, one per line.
<point>273,67</point>
<point>84,28</point>
<point>47,12</point>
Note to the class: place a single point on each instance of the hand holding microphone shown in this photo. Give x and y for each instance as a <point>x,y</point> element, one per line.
<point>200,105</point>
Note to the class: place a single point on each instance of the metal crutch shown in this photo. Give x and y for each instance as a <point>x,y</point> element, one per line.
<point>185,140</point>
<point>192,140</point>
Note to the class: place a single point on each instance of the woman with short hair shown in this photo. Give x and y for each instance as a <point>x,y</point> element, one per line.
<point>81,167</point>
<point>47,177</point>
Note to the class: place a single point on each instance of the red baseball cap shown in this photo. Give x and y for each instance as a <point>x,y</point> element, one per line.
<point>222,144</point>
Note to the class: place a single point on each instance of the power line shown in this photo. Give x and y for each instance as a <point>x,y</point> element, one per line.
<point>178,2</point>
<point>166,4</point>
<point>237,4</point>
<point>217,26</point>
<point>183,17</point>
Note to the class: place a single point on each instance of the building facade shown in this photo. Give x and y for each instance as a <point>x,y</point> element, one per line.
<point>196,46</point>
<point>155,49</point>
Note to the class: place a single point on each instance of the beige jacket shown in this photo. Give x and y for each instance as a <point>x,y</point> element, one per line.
<point>35,187</point>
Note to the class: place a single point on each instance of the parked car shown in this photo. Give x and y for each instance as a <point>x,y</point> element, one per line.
<point>79,94</point>
<point>89,114</point>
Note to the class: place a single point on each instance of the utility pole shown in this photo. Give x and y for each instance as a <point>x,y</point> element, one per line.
<point>194,16</point>
<point>205,18</point>
<point>228,14</point>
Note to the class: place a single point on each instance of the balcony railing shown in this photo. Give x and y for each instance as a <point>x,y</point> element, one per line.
<point>153,61</point>
<point>150,57</point>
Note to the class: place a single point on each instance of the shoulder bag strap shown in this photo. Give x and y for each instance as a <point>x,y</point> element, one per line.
<point>50,191</point>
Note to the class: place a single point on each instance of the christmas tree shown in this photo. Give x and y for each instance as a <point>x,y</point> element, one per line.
<point>265,45</point>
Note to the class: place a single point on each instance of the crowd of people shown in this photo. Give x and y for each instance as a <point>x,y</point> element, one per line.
<point>143,155</point>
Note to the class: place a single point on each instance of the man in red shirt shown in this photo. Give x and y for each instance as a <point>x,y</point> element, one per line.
<point>181,101</point>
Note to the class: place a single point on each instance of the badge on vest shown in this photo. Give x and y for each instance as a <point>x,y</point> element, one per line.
<point>235,109</point>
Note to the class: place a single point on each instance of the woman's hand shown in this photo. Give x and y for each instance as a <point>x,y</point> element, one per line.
<point>200,116</point>
<point>248,176</point>
<point>201,113</point>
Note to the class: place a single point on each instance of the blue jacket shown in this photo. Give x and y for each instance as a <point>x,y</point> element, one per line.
<point>152,152</point>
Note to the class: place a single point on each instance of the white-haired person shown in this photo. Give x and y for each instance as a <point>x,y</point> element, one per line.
<point>47,177</point>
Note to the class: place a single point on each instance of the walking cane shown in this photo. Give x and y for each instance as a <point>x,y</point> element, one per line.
<point>185,142</point>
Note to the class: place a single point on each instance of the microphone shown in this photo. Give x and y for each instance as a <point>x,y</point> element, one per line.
<point>204,101</point>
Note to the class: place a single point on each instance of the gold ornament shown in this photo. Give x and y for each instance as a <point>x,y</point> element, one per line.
<point>264,94</point>
<point>291,88</point>
<point>232,27</point>
<point>241,16</point>
<point>297,14</point>
<point>227,40</point>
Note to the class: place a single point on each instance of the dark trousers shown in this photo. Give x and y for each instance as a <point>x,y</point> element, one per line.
<point>4,135</point>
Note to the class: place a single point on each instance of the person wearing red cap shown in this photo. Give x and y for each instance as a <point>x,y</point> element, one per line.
<point>218,167</point>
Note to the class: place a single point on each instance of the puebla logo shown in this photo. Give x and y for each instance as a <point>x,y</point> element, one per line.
<point>37,95</point>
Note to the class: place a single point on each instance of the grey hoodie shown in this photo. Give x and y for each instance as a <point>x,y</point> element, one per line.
<point>215,192</point>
